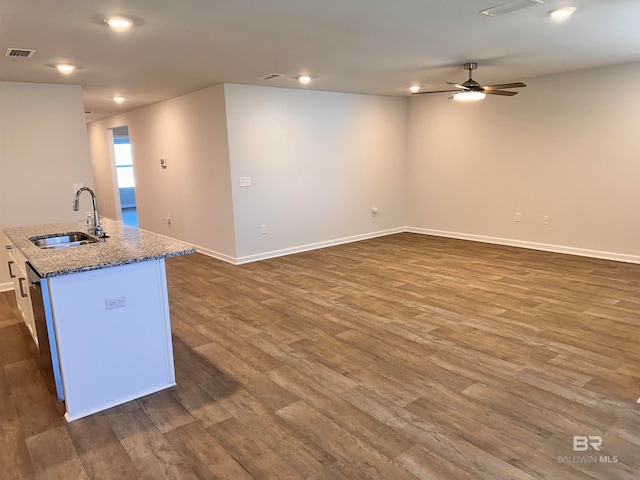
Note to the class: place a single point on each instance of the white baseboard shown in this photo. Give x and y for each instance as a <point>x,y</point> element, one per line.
<point>545,247</point>
<point>618,257</point>
<point>204,251</point>
<point>214,254</point>
<point>317,245</point>
<point>5,287</point>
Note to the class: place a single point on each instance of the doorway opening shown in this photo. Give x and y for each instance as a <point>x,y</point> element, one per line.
<point>124,175</point>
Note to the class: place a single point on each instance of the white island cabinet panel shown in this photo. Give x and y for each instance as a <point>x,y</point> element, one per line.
<point>111,356</point>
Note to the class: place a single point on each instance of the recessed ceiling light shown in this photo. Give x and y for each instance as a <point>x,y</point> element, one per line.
<point>65,68</point>
<point>119,24</point>
<point>469,95</point>
<point>414,88</point>
<point>304,79</point>
<point>118,99</point>
<point>562,13</point>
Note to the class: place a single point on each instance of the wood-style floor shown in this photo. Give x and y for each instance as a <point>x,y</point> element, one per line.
<point>395,358</point>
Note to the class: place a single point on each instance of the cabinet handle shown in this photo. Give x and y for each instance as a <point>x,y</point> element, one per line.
<point>11,274</point>
<point>22,292</point>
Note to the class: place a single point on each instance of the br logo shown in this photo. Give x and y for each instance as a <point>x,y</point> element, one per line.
<point>582,443</point>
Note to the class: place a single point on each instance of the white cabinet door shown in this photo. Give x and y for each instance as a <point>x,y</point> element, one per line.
<point>18,272</point>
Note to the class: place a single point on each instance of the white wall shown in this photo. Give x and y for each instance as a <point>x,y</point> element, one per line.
<point>195,190</point>
<point>318,162</point>
<point>43,152</point>
<point>567,146</point>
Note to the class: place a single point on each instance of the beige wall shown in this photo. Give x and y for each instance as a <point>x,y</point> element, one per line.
<point>566,147</point>
<point>195,190</point>
<point>318,163</point>
<point>43,152</point>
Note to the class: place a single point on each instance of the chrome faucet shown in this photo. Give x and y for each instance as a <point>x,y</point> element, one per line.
<point>95,226</point>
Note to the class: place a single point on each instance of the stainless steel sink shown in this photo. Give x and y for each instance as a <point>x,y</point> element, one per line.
<point>62,240</point>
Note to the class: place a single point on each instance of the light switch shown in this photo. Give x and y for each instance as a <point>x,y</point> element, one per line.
<point>245,181</point>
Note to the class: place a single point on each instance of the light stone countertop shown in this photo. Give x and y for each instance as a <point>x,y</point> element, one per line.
<point>125,245</point>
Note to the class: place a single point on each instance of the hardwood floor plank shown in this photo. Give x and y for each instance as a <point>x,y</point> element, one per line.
<point>54,456</point>
<point>305,456</point>
<point>204,455</point>
<point>546,412</point>
<point>245,351</point>
<point>359,424</point>
<point>100,451</point>
<point>366,461</point>
<point>400,357</point>
<point>15,461</point>
<point>198,403</point>
<point>332,472</point>
<point>315,370</point>
<point>154,457</point>
<point>13,347</point>
<point>260,385</point>
<point>424,463</point>
<point>26,383</point>
<point>254,455</point>
<point>165,411</point>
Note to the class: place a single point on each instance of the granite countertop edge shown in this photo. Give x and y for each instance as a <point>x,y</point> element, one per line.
<point>125,245</point>
<point>89,268</point>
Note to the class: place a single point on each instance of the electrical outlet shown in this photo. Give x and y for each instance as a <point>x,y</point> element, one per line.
<point>115,302</point>
<point>264,229</point>
<point>374,211</point>
<point>545,220</point>
<point>168,219</point>
<point>518,216</point>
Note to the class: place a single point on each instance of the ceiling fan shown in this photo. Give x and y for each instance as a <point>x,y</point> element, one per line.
<point>472,90</point>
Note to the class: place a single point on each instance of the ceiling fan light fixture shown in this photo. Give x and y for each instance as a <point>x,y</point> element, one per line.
<point>469,95</point>
<point>414,88</point>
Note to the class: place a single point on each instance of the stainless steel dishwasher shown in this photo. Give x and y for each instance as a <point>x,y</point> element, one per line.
<point>43,317</point>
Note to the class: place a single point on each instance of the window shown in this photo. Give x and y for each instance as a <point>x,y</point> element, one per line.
<point>124,164</point>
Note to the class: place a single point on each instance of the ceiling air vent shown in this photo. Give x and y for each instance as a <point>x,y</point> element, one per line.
<point>19,52</point>
<point>509,7</point>
<point>271,76</point>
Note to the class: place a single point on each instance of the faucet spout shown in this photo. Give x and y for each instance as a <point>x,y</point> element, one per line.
<point>95,227</point>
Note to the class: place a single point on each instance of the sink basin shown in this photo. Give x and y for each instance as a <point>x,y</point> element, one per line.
<point>62,240</point>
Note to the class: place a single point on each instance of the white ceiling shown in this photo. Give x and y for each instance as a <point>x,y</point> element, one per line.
<point>362,46</point>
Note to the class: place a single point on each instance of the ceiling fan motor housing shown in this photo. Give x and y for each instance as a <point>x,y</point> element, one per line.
<point>472,85</point>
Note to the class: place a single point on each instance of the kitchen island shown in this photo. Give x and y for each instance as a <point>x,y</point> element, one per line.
<point>107,310</point>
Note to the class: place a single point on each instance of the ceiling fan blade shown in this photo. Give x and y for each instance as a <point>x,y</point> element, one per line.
<point>506,93</point>
<point>457,85</point>
<point>437,91</point>
<point>504,85</point>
